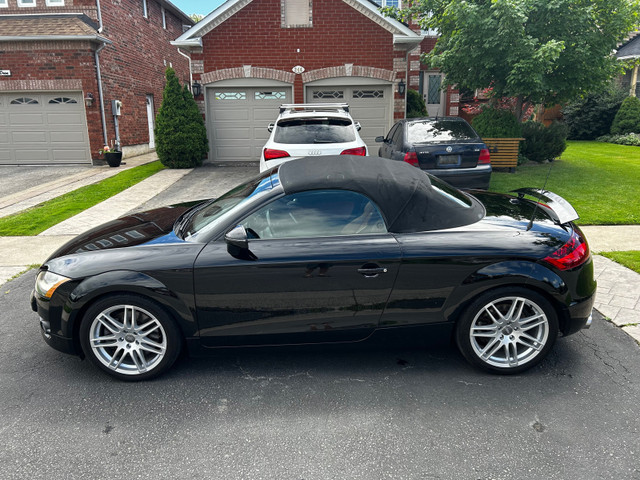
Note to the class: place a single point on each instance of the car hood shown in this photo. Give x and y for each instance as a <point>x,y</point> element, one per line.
<point>148,227</point>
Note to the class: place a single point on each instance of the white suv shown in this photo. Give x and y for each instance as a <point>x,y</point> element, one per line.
<point>305,129</point>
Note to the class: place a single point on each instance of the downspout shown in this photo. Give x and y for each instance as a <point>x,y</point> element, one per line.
<point>101,95</point>
<point>100,26</point>
<point>188,57</point>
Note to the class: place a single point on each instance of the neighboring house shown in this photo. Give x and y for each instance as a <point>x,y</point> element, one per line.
<point>250,56</point>
<point>64,62</point>
<point>630,51</point>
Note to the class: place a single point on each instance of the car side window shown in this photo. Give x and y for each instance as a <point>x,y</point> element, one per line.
<point>397,135</point>
<point>391,133</point>
<point>316,213</point>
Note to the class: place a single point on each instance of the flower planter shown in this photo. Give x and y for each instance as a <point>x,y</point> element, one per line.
<point>113,158</point>
<point>504,152</point>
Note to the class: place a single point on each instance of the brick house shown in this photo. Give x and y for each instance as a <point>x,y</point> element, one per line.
<point>250,56</point>
<point>64,62</point>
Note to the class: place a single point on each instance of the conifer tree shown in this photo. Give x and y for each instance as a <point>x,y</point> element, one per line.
<point>181,137</point>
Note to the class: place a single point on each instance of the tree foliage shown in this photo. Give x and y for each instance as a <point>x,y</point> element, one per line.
<point>181,137</point>
<point>627,120</point>
<point>538,51</point>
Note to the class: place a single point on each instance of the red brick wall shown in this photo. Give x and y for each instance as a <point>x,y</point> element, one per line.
<point>340,35</point>
<point>134,65</point>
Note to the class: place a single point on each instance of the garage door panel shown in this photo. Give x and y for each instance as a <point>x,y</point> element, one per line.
<point>26,119</point>
<point>52,131</point>
<point>238,128</point>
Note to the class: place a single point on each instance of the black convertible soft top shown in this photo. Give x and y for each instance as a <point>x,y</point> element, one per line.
<point>410,199</point>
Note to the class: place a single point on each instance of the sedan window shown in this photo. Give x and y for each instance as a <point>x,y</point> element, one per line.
<point>439,131</point>
<point>318,213</point>
<point>314,130</point>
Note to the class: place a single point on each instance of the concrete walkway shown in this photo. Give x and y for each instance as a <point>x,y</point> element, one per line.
<point>617,298</point>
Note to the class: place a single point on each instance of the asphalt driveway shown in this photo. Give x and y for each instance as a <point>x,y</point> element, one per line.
<point>340,413</point>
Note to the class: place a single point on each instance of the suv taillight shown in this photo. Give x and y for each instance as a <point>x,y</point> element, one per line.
<point>485,156</point>
<point>272,154</point>
<point>572,254</point>
<point>411,158</point>
<point>362,151</point>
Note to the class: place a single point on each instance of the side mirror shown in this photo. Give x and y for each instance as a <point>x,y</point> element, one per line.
<point>271,127</point>
<point>238,243</point>
<point>358,126</point>
<point>380,139</point>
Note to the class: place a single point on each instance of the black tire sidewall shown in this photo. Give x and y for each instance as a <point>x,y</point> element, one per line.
<point>464,324</point>
<point>171,331</point>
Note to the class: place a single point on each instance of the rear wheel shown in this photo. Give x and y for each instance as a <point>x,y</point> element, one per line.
<point>507,330</point>
<point>129,337</point>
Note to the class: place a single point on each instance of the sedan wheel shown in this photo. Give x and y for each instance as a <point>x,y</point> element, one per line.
<point>129,337</point>
<point>507,331</point>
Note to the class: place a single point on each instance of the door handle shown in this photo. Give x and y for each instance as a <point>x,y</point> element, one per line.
<point>372,272</point>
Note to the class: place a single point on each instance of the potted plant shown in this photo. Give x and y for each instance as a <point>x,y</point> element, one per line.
<point>112,156</point>
<point>502,133</point>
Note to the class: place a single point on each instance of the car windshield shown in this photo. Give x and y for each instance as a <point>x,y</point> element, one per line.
<point>439,131</point>
<point>207,217</point>
<point>314,130</point>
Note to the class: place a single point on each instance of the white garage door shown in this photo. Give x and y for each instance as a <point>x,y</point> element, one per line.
<point>237,120</point>
<point>43,128</point>
<point>369,104</point>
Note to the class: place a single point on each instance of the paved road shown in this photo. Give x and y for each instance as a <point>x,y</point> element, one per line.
<point>319,414</point>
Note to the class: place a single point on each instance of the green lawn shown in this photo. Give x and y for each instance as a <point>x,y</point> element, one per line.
<point>601,180</point>
<point>630,258</point>
<point>47,214</point>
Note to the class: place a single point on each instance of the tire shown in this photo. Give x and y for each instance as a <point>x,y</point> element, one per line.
<point>507,331</point>
<point>130,337</point>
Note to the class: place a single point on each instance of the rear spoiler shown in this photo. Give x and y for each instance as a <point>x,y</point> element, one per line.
<point>562,209</point>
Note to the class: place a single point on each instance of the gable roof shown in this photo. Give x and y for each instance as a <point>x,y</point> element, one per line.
<point>402,34</point>
<point>631,49</point>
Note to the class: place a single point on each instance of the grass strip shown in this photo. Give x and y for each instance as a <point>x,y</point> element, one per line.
<point>629,258</point>
<point>601,180</point>
<point>45,215</point>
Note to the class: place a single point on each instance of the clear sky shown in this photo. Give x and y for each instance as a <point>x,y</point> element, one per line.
<point>203,7</point>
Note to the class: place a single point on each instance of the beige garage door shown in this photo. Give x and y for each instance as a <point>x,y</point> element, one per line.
<point>43,128</point>
<point>237,120</point>
<point>369,104</point>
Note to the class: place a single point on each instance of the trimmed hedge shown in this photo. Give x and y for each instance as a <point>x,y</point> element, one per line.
<point>543,143</point>
<point>494,123</point>
<point>627,119</point>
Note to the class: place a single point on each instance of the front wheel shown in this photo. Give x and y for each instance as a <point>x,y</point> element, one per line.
<point>507,330</point>
<point>129,337</point>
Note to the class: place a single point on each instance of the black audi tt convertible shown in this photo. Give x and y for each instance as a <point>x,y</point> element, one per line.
<point>338,249</point>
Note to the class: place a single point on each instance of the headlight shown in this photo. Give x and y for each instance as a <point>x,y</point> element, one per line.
<point>47,282</point>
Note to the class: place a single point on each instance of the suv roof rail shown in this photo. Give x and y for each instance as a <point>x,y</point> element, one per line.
<point>314,106</point>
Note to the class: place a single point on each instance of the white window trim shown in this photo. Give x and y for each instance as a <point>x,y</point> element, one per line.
<point>145,9</point>
<point>4,3</point>
<point>54,3</point>
<point>164,17</point>
<point>22,4</point>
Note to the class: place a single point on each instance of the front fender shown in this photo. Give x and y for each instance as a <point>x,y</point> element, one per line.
<point>177,304</point>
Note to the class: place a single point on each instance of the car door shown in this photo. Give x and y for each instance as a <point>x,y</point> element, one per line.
<point>321,269</point>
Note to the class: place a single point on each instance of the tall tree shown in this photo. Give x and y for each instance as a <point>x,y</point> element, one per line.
<point>538,51</point>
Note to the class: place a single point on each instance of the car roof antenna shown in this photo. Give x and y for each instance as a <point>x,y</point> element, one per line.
<point>535,208</point>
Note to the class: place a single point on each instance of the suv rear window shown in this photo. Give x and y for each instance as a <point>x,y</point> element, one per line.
<point>439,131</point>
<point>314,130</point>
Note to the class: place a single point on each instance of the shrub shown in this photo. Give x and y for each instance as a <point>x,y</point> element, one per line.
<point>493,123</point>
<point>591,116</point>
<point>415,104</point>
<point>627,119</point>
<point>543,143</point>
<point>181,137</point>
<point>632,139</point>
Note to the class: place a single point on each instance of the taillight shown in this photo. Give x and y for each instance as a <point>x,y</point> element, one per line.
<point>485,156</point>
<point>362,151</point>
<point>411,158</point>
<point>272,154</point>
<point>572,254</point>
